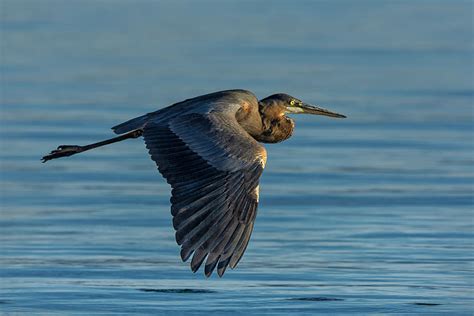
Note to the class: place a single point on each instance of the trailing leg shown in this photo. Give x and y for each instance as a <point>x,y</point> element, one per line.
<point>69,150</point>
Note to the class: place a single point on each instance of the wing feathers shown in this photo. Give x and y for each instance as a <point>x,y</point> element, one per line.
<point>241,246</point>
<point>229,249</point>
<point>189,231</point>
<point>199,236</point>
<point>213,182</point>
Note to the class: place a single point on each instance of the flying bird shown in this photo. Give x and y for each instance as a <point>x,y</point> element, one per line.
<point>209,150</point>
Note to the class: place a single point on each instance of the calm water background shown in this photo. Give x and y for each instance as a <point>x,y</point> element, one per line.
<point>372,214</point>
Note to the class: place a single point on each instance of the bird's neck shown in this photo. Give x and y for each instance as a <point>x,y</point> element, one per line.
<point>276,127</point>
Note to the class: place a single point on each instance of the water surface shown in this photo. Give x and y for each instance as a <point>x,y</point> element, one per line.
<point>372,214</point>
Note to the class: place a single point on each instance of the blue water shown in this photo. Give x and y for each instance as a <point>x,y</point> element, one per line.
<point>371,214</point>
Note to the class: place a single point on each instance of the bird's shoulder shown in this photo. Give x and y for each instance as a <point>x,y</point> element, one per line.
<point>226,101</point>
<point>224,96</point>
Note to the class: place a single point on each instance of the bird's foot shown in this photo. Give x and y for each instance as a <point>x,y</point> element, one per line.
<point>63,151</point>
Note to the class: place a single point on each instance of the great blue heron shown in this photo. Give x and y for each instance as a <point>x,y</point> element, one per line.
<point>208,149</point>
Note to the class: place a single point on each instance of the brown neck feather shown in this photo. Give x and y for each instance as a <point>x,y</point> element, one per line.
<point>276,126</point>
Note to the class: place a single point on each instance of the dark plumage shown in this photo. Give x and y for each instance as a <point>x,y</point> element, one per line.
<point>208,150</point>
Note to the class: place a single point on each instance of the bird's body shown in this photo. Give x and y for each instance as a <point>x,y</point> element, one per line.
<point>239,103</point>
<point>208,149</point>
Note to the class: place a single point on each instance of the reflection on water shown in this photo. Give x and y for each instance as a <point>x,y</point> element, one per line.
<point>369,214</point>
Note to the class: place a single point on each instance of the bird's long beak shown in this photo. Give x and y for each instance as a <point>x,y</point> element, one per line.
<point>311,109</point>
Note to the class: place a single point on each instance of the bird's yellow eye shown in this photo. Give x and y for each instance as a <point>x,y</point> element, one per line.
<point>292,102</point>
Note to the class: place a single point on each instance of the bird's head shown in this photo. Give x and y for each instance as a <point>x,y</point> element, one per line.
<point>276,125</point>
<point>282,103</point>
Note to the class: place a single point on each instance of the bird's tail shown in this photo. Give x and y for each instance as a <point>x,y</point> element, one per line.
<point>130,125</point>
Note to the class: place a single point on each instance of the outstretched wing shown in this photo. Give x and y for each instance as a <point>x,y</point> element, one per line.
<point>213,166</point>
